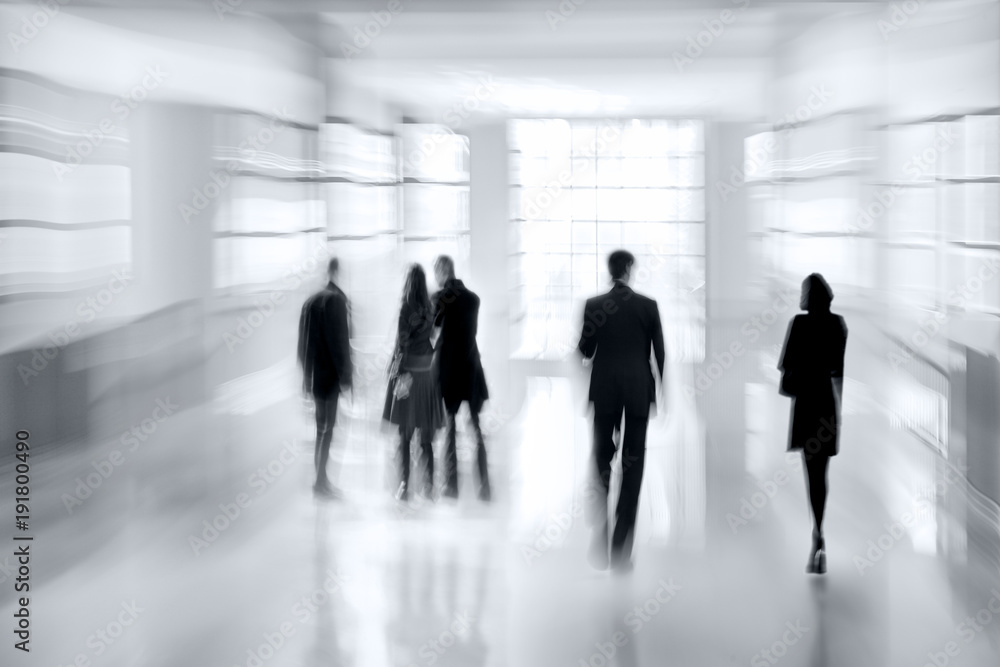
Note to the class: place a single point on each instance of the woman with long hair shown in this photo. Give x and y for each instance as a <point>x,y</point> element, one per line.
<point>413,401</point>
<point>812,365</point>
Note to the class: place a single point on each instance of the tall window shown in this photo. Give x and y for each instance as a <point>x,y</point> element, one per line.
<point>583,188</point>
<point>434,163</point>
<point>391,199</point>
<point>361,190</point>
<point>804,182</point>
<point>270,215</point>
<point>65,204</point>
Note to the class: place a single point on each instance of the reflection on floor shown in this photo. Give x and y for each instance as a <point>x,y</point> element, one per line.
<point>260,573</point>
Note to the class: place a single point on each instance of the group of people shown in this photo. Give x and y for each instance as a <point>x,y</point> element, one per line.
<point>436,366</point>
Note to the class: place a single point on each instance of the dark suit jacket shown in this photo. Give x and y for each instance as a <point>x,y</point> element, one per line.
<point>813,361</point>
<point>325,343</point>
<point>456,311</point>
<point>619,330</point>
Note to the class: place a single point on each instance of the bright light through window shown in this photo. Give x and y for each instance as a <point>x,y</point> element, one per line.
<point>581,189</point>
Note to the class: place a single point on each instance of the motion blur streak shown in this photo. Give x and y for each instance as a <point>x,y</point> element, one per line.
<point>175,178</point>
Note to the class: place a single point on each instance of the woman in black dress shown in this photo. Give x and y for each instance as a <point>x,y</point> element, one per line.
<point>812,363</point>
<point>413,399</point>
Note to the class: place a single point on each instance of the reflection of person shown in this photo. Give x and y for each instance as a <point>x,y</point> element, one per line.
<point>812,362</point>
<point>325,356</point>
<point>413,400</point>
<point>620,330</point>
<point>325,619</point>
<point>456,312</point>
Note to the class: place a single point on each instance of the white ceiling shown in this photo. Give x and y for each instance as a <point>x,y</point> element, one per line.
<point>604,58</point>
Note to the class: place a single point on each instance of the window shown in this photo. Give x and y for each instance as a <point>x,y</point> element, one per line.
<point>583,188</point>
<point>66,204</point>
<point>435,168</point>
<point>269,216</point>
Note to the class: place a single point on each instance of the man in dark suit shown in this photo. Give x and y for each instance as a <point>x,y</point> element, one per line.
<point>620,329</point>
<point>460,371</point>
<point>325,357</point>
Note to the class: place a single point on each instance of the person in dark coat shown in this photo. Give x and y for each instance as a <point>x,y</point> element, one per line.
<point>413,399</point>
<point>812,365</point>
<point>459,368</point>
<point>325,356</point>
<point>621,330</point>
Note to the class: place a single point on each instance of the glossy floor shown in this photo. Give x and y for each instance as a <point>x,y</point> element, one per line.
<point>261,573</point>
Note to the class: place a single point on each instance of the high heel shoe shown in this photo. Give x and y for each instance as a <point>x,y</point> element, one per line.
<point>821,562</point>
<point>817,559</point>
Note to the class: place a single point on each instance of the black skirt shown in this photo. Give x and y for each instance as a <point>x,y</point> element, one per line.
<point>413,397</point>
<point>815,420</point>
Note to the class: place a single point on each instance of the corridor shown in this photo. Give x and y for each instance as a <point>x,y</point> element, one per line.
<point>178,178</point>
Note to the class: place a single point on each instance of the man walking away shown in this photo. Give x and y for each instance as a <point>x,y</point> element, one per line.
<point>620,329</point>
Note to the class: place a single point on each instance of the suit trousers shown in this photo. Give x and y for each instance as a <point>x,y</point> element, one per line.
<point>326,419</point>
<point>633,458</point>
<point>451,453</point>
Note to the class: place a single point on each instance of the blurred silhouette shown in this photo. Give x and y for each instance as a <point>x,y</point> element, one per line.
<point>325,356</point>
<point>812,365</point>
<point>459,368</point>
<point>620,329</point>
<point>413,399</point>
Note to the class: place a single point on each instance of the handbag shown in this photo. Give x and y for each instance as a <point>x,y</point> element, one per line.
<point>400,381</point>
<point>401,389</point>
